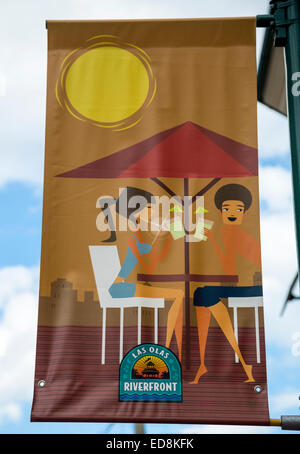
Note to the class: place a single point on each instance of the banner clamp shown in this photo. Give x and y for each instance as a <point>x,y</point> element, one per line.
<point>287,422</point>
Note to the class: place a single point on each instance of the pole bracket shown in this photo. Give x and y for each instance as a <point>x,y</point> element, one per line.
<point>290,422</point>
<point>278,9</point>
<point>282,11</point>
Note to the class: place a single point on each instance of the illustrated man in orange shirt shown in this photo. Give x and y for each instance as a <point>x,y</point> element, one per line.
<point>233,201</point>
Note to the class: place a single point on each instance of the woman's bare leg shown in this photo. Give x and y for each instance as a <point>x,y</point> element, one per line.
<point>203,320</point>
<point>220,313</point>
<point>178,330</point>
<point>175,314</point>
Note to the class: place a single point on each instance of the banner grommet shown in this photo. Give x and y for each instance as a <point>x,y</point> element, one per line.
<point>258,389</point>
<point>41,383</point>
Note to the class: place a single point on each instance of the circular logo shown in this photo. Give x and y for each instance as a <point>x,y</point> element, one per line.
<point>150,372</point>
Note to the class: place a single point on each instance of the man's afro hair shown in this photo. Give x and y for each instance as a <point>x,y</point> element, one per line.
<point>233,192</point>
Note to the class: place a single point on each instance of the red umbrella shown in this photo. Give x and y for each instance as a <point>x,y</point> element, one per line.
<point>185,151</point>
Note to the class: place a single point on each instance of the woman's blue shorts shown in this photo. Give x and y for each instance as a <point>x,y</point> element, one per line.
<point>122,289</point>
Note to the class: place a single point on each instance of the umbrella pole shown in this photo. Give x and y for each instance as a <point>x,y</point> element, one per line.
<point>187,283</point>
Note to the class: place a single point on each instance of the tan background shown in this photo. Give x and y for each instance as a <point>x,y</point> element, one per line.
<point>204,78</point>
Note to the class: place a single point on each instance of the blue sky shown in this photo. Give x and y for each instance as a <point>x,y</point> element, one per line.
<point>20,230</point>
<point>22,108</point>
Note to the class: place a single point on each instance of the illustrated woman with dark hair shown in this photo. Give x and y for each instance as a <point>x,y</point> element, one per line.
<point>233,201</point>
<point>135,204</point>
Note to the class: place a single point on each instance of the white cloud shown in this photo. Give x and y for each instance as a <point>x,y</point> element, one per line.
<point>279,257</point>
<point>15,281</point>
<point>23,59</point>
<point>273,133</point>
<point>2,85</point>
<point>287,401</point>
<point>21,162</point>
<point>275,184</point>
<point>279,267</point>
<point>18,321</point>
<point>10,411</point>
<point>22,109</point>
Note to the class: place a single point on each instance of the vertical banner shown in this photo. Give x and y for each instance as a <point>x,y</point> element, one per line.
<point>151,303</point>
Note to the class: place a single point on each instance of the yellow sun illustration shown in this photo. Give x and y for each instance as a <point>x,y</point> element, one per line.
<point>107,82</point>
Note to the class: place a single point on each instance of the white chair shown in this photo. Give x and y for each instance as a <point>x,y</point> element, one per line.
<point>106,266</point>
<point>239,302</point>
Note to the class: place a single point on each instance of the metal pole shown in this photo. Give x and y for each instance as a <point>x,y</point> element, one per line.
<point>286,27</point>
<point>264,20</point>
<point>287,422</point>
<point>292,57</point>
<point>139,428</point>
<point>287,15</point>
<point>284,20</point>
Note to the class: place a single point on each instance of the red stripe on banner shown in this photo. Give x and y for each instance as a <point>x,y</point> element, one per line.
<point>78,386</point>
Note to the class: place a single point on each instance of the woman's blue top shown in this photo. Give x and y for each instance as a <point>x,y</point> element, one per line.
<point>127,289</point>
<point>131,261</point>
